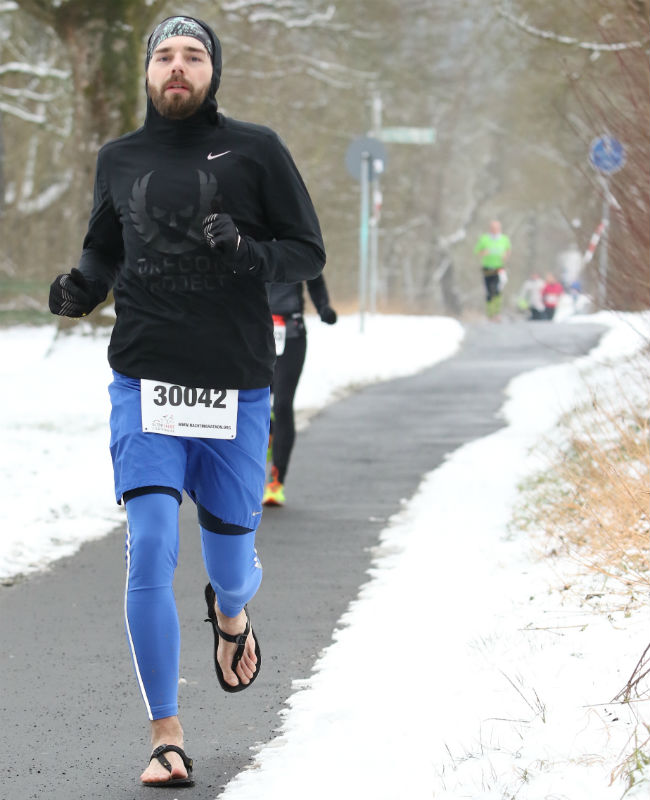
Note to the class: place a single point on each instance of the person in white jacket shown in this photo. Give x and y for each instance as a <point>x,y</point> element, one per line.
<point>531,295</point>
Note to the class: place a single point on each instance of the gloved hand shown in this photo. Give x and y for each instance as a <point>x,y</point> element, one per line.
<point>328,315</point>
<point>74,295</point>
<point>221,233</point>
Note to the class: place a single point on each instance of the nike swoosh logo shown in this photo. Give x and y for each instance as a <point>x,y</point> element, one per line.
<point>225,153</point>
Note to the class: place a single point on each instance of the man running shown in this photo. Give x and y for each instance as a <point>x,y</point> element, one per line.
<point>493,248</point>
<point>193,213</point>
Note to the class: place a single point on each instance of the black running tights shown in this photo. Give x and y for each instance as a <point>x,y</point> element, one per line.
<point>288,368</point>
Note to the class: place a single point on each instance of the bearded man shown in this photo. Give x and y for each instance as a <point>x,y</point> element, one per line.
<point>193,213</point>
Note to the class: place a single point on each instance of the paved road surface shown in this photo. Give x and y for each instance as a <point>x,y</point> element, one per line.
<point>73,725</point>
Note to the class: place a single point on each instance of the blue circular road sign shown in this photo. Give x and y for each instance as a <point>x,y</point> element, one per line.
<point>607,154</point>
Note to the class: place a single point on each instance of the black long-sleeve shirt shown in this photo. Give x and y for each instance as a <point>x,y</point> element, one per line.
<point>180,319</point>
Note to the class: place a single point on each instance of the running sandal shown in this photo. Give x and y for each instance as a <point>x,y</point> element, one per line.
<point>159,754</point>
<point>239,640</point>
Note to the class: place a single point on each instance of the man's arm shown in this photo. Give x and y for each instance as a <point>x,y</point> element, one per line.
<point>480,248</point>
<point>77,293</point>
<point>103,246</point>
<point>296,252</point>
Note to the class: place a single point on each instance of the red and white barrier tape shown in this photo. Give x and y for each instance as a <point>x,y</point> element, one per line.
<point>593,243</point>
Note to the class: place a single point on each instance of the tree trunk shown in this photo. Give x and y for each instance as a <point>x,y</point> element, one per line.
<point>104,41</point>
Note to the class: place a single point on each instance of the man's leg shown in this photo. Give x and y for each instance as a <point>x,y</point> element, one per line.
<point>150,608</point>
<point>497,303</point>
<point>151,618</point>
<point>148,470</point>
<point>493,297</point>
<point>235,574</point>
<point>225,478</point>
<point>489,286</point>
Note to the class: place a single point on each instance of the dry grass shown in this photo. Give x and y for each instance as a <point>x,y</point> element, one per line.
<point>593,501</point>
<point>592,504</point>
<point>637,752</point>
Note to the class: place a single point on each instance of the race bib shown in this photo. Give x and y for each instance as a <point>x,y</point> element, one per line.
<point>279,334</point>
<point>185,411</point>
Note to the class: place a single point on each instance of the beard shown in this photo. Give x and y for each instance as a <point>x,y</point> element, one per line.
<point>177,106</point>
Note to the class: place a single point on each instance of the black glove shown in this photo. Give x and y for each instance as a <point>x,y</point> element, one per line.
<point>221,233</point>
<point>328,315</point>
<point>73,295</point>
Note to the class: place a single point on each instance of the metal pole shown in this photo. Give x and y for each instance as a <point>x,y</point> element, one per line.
<point>373,261</point>
<point>377,108</point>
<point>603,257</point>
<point>363,236</point>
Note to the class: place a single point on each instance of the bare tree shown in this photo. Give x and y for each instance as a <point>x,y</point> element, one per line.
<point>611,90</point>
<point>76,74</point>
<point>496,80</point>
<point>102,42</point>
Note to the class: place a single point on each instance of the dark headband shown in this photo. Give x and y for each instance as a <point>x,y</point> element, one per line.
<point>179,26</point>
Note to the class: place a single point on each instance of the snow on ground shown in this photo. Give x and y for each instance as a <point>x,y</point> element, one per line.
<point>462,670</point>
<point>56,467</point>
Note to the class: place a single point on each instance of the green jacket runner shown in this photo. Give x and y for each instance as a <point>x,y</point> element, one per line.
<point>496,247</point>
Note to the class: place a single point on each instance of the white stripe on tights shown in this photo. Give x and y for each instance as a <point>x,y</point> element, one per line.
<point>128,627</point>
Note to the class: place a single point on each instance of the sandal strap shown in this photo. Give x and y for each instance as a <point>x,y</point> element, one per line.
<point>238,638</point>
<point>159,752</point>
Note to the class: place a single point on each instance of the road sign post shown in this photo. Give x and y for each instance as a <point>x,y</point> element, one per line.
<point>364,158</point>
<point>363,236</point>
<point>607,155</point>
<point>375,208</point>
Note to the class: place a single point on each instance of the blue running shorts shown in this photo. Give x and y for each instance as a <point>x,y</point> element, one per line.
<point>224,476</point>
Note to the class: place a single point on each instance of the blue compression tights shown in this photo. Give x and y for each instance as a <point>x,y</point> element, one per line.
<point>152,626</point>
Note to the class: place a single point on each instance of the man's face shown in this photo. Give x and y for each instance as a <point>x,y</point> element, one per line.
<point>179,76</point>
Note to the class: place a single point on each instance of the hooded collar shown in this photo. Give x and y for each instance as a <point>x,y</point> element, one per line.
<point>182,131</point>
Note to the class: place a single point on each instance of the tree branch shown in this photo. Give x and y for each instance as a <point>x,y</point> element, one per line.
<point>47,197</point>
<point>28,94</point>
<point>300,14</point>
<point>39,70</point>
<point>520,22</point>
<point>40,9</point>
<point>21,113</point>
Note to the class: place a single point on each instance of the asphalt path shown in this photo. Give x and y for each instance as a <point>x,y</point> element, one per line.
<point>72,723</point>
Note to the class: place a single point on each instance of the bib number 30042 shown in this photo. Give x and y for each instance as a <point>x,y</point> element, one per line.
<point>187,411</point>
